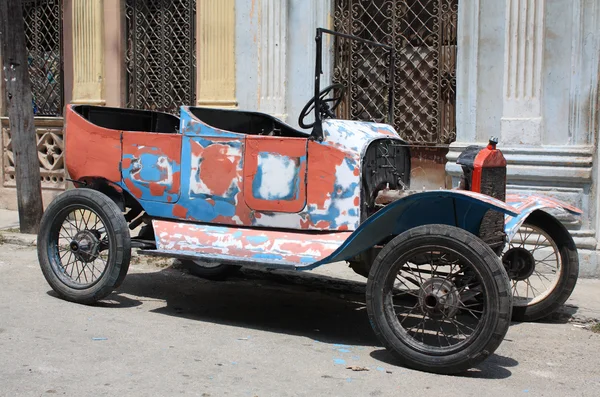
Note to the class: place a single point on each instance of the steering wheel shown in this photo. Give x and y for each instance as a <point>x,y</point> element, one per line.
<point>325,109</point>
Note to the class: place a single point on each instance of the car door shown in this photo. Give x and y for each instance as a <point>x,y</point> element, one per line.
<point>275,173</point>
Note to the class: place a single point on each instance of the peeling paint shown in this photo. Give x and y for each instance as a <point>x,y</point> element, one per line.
<point>206,241</point>
<point>527,204</point>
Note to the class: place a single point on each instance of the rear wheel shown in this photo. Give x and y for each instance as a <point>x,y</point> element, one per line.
<point>438,299</point>
<point>210,271</point>
<point>543,266</point>
<point>83,246</point>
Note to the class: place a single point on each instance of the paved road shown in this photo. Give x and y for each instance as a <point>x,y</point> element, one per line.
<point>167,333</point>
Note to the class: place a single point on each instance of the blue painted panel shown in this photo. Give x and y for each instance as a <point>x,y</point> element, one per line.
<point>445,207</point>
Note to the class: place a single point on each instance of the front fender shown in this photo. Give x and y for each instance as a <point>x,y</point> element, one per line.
<point>526,205</point>
<point>463,209</point>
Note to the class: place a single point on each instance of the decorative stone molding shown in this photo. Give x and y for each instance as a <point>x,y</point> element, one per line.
<point>272,57</point>
<point>523,65</point>
<point>215,49</point>
<point>88,52</point>
<point>551,164</point>
<point>50,147</point>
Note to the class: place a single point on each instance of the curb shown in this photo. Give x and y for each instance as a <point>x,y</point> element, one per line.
<point>26,240</point>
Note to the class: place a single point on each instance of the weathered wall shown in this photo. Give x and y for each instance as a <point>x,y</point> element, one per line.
<point>275,54</point>
<point>528,73</point>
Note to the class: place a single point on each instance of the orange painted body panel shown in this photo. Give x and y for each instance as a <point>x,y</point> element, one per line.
<point>91,151</point>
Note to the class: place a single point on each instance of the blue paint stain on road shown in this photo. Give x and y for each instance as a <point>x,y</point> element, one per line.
<point>343,350</point>
<point>339,361</point>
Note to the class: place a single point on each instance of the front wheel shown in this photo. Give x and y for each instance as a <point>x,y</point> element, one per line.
<point>438,299</point>
<point>543,266</point>
<point>83,246</point>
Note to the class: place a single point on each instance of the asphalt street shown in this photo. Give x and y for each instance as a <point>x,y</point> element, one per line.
<point>167,333</point>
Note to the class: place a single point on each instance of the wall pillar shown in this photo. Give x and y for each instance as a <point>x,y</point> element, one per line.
<point>521,121</point>
<point>88,52</point>
<point>215,53</point>
<point>272,57</point>
<point>114,53</point>
<point>543,109</point>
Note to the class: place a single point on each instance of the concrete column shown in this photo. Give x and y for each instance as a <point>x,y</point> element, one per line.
<point>523,61</point>
<point>272,57</point>
<point>215,53</point>
<point>88,52</point>
<point>114,53</point>
<point>304,18</point>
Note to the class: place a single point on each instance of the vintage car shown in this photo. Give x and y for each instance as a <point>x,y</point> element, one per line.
<point>220,189</point>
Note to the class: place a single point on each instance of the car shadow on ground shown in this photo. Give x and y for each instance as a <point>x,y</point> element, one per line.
<point>317,307</point>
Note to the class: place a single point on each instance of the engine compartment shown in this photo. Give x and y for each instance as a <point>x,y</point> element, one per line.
<point>386,167</point>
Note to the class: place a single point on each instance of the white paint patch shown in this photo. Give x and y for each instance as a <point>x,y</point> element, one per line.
<point>282,220</point>
<point>277,177</point>
<point>344,176</point>
<point>163,164</point>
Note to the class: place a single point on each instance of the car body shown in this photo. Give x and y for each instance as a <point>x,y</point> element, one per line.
<point>228,187</point>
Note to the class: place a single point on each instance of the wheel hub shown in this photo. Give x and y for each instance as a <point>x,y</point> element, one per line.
<point>85,246</point>
<point>519,263</point>
<point>439,298</point>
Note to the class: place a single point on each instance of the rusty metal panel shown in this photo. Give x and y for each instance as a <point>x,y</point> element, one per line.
<point>261,246</point>
<point>151,165</point>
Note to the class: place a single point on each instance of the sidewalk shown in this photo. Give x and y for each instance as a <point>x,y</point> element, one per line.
<point>583,306</point>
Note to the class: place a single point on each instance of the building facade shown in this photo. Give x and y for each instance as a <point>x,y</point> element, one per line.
<point>523,70</point>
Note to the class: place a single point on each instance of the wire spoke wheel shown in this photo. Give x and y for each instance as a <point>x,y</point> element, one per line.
<point>81,247</point>
<point>438,299</point>
<point>542,264</point>
<point>532,261</point>
<point>84,245</point>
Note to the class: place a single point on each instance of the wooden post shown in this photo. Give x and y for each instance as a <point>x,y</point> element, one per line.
<point>20,115</point>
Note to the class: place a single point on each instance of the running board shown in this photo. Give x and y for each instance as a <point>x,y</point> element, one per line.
<point>248,247</point>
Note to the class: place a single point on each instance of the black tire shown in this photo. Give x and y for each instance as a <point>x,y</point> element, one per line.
<point>480,264</point>
<point>566,257</point>
<point>85,245</point>
<point>217,272</point>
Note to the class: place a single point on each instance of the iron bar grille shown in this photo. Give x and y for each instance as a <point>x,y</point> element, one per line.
<point>43,40</point>
<point>161,57</point>
<point>423,34</point>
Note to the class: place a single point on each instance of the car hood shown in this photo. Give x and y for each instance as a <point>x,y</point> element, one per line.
<point>355,136</point>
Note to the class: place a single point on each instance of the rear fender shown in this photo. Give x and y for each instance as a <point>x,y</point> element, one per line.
<point>463,209</point>
<point>106,187</point>
<point>527,205</point>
